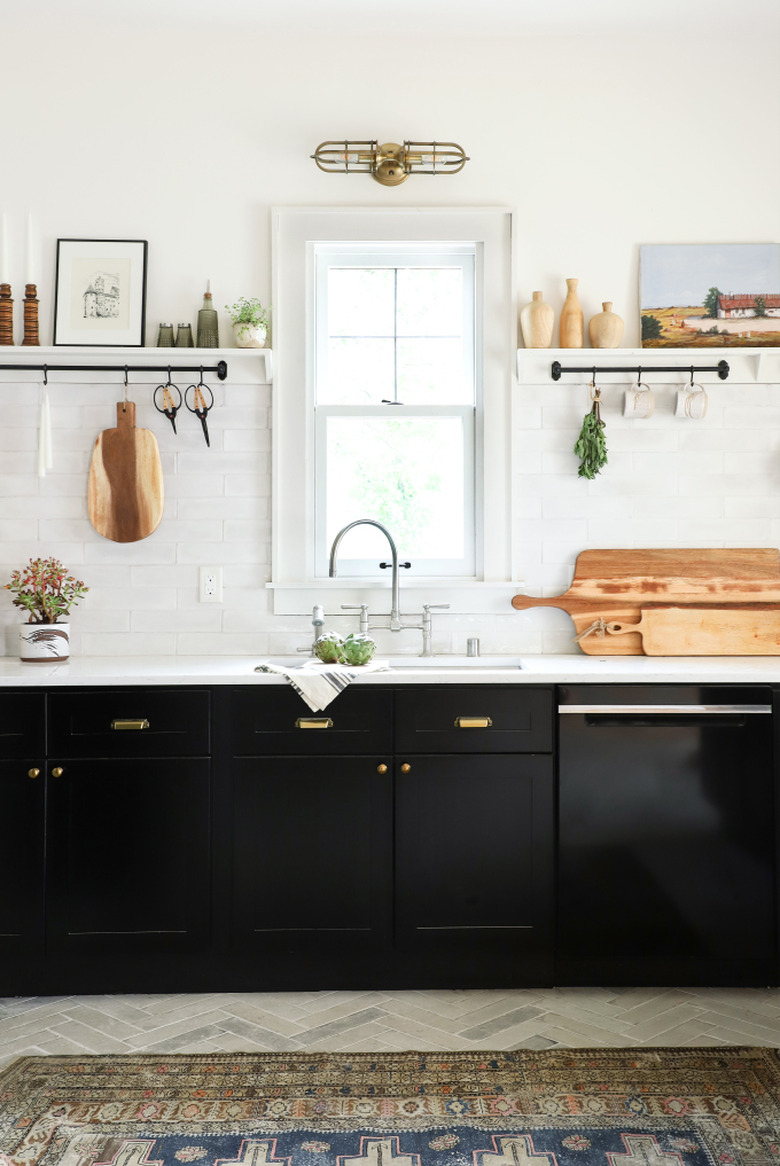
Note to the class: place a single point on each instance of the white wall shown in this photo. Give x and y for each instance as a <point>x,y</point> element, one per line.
<point>188,138</point>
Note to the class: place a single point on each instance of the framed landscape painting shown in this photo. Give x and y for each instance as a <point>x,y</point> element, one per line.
<point>100,292</point>
<point>710,295</point>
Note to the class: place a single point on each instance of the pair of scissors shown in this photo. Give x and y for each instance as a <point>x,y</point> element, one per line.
<point>199,406</point>
<point>168,407</point>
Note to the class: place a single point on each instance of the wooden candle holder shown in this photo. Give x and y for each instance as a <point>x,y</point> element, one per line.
<point>30,316</point>
<point>6,314</point>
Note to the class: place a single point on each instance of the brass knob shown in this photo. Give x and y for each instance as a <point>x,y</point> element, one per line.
<point>57,771</point>
<point>381,769</point>
<point>406,767</point>
<point>33,772</point>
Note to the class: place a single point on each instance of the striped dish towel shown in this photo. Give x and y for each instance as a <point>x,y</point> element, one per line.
<point>320,683</point>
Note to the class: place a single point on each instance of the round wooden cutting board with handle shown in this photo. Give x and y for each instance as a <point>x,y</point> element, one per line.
<point>125,494</point>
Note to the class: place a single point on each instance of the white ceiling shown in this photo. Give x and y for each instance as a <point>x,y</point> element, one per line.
<point>748,18</point>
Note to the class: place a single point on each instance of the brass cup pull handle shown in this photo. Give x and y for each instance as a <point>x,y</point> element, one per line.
<point>381,769</point>
<point>473,723</point>
<point>314,723</point>
<point>132,723</point>
<point>57,771</point>
<point>33,772</point>
<point>406,767</point>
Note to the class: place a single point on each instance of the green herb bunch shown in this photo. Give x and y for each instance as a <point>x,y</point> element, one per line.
<point>591,445</point>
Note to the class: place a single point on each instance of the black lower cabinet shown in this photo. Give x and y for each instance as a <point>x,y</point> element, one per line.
<point>22,795</point>
<point>474,869</point>
<point>128,887</point>
<point>310,870</point>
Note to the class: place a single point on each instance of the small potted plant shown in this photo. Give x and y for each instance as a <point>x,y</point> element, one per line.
<point>250,322</point>
<point>46,593</point>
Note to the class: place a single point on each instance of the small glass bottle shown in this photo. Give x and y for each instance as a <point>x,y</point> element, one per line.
<point>184,336</point>
<point>165,336</point>
<point>208,326</point>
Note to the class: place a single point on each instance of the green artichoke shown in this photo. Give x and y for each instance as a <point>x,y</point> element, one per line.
<point>329,648</point>
<point>357,649</point>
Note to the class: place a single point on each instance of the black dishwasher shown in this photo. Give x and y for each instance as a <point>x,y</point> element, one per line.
<point>666,868</point>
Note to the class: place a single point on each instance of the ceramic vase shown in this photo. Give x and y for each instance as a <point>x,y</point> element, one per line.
<point>250,335</point>
<point>536,321</point>
<point>44,642</point>
<point>606,329</point>
<point>572,320</point>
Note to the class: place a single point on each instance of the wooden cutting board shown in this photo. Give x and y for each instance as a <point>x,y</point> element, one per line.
<point>706,631</point>
<point>125,493</point>
<point>614,585</point>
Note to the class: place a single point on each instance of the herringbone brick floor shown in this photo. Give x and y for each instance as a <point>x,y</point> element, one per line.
<point>377,1021</point>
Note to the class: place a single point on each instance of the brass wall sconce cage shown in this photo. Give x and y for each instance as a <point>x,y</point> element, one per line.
<point>390,163</point>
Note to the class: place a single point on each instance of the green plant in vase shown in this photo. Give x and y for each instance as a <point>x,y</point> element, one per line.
<point>250,322</point>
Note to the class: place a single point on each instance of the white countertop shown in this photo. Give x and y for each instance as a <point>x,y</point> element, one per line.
<point>575,669</point>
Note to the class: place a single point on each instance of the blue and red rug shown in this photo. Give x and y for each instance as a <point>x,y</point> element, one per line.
<point>591,1107</point>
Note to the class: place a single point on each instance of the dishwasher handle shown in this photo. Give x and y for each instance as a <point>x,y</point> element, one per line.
<point>659,710</point>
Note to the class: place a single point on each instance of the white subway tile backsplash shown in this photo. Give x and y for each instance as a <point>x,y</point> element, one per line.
<point>668,482</point>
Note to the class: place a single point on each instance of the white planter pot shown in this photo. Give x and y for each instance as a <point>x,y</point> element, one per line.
<point>44,642</point>
<point>250,335</point>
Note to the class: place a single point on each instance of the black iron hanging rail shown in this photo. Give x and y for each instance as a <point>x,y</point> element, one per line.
<point>721,368</point>
<point>220,368</point>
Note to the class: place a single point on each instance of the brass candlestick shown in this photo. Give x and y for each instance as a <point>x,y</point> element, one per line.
<point>6,314</point>
<point>30,316</point>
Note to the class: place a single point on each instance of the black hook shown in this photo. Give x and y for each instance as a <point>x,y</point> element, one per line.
<point>45,374</point>
<point>691,374</point>
<point>125,376</point>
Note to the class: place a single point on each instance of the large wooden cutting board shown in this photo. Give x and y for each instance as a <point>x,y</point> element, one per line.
<point>125,493</point>
<point>615,585</point>
<point>706,631</point>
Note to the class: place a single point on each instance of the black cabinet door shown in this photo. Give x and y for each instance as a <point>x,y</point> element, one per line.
<point>474,868</point>
<point>128,871</point>
<point>310,869</point>
<point>22,787</point>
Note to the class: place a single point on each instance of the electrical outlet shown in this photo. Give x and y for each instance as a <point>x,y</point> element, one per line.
<point>210,585</point>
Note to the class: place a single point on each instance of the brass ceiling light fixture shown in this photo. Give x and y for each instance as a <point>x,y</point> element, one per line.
<point>390,163</point>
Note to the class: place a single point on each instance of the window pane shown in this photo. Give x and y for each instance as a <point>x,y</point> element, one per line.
<point>361,301</point>
<point>430,301</point>
<point>406,474</point>
<point>430,372</point>
<point>360,371</point>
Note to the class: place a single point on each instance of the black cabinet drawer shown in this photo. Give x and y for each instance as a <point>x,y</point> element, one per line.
<point>129,722</point>
<point>263,721</point>
<point>22,724</point>
<point>474,719</point>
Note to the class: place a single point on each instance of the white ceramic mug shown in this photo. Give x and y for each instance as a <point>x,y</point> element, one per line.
<point>638,402</point>
<point>692,403</point>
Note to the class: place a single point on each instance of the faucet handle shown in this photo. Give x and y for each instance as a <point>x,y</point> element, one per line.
<point>384,566</point>
<point>354,607</point>
<point>433,606</point>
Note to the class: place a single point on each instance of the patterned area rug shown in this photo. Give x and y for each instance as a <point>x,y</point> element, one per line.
<point>611,1107</point>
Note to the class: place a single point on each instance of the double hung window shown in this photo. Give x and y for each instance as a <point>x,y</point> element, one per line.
<point>396,404</point>
<point>394,338</point>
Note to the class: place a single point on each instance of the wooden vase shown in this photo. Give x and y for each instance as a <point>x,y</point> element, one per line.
<point>606,329</point>
<point>572,320</point>
<point>536,321</point>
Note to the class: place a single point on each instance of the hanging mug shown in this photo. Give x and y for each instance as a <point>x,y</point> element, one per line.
<point>692,402</point>
<point>638,402</point>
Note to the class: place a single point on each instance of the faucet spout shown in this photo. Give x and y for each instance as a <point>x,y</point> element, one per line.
<point>395,605</point>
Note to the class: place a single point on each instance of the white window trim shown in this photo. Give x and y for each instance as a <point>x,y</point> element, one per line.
<point>294,231</point>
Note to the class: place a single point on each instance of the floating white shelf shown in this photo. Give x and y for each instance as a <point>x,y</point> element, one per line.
<point>244,365</point>
<point>747,366</point>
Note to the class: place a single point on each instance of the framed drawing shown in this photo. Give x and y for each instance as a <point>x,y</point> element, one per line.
<point>710,295</point>
<point>100,292</point>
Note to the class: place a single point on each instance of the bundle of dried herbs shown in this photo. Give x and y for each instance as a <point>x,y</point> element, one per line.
<point>591,445</point>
